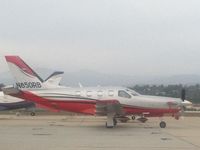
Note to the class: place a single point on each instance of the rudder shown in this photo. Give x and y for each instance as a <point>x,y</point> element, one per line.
<point>25,77</point>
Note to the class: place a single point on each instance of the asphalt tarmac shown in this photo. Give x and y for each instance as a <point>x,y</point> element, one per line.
<point>89,133</point>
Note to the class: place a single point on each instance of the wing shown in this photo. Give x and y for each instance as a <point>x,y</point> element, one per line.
<point>105,107</point>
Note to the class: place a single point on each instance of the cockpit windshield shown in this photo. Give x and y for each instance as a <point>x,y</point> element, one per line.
<point>132,92</point>
<point>122,93</point>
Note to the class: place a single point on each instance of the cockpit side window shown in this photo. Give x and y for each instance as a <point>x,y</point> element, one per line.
<point>99,93</point>
<point>133,93</point>
<point>124,94</point>
<point>110,93</point>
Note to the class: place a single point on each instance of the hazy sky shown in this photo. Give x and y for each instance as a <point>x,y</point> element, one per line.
<point>131,37</point>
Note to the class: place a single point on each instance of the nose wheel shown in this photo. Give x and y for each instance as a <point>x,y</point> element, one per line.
<point>163,124</point>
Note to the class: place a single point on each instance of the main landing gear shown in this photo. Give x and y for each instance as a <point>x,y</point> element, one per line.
<point>111,120</point>
<point>111,123</point>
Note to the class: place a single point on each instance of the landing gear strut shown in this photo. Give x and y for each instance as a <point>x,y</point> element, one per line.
<point>115,121</point>
<point>111,121</point>
<point>163,124</point>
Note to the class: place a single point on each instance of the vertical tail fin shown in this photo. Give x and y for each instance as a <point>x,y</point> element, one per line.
<point>25,77</point>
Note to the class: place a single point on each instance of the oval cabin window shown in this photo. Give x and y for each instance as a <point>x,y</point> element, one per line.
<point>110,93</point>
<point>100,93</point>
<point>89,93</point>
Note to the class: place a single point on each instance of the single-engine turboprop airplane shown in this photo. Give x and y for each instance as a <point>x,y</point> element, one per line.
<point>8,102</point>
<point>116,103</point>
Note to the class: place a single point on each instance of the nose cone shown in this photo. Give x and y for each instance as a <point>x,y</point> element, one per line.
<point>186,103</point>
<point>174,102</point>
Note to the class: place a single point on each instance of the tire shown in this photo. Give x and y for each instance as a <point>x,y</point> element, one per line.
<point>162,124</point>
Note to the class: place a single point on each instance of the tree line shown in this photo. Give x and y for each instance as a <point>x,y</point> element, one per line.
<point>1,86</point>
<point>192,91</point>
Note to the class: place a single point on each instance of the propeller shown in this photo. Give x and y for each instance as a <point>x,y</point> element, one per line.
<point>183,94</point>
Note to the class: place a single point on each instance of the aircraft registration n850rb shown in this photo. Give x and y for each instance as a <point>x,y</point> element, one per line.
<point>116,103</point>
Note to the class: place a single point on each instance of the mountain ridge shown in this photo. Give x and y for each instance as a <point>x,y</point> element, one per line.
<point>94,78</point>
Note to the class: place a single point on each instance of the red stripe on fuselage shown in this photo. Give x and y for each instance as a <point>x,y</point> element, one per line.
<point>89,106</point>
<point>81,106</point>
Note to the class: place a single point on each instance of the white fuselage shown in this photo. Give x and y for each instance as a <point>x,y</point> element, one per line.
<point>108,93</point>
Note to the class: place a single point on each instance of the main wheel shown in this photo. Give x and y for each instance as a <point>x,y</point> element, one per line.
<point>162,124</point>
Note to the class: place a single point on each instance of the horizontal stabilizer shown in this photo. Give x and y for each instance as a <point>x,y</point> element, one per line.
<point>54,78</point>
<point>10,90</point>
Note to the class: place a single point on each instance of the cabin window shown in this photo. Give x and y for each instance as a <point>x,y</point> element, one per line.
<point>134,94</point>
<point>78,93</point>
<point>89,93</point>
<point>124,94</point>
<point>110,93</point>
<point>100,93</point>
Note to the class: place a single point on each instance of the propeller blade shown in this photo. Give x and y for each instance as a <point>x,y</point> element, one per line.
<point>183,95</point>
